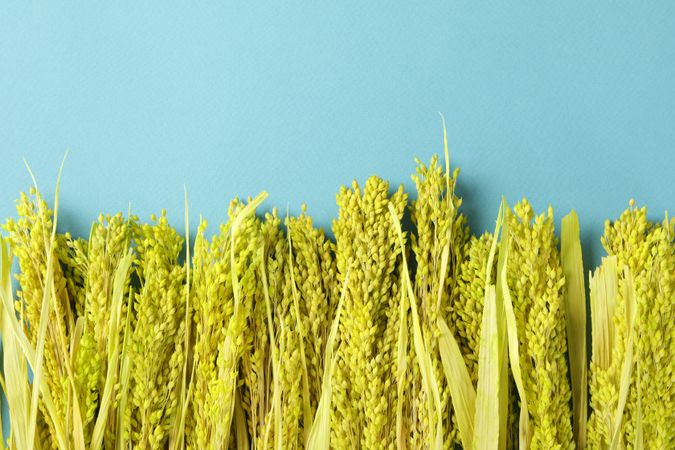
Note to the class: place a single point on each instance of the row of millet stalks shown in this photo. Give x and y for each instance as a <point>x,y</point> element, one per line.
<point>267,334</point>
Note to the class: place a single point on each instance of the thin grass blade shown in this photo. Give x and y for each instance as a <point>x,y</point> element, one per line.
<point>487,399</point>
<point>16,386</point>
<point>114,323</point>
<point>462,391</point>
<point>575,313</point>
<point>402,366</point>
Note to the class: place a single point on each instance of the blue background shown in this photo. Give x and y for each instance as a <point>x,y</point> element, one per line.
<point>569,102</point>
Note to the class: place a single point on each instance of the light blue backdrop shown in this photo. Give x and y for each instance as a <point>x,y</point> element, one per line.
<point>571,103</point>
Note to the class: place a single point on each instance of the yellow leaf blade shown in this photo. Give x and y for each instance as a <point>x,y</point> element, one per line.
<point>487,399</point>
<point>462,391</point>
<point>575,313</point>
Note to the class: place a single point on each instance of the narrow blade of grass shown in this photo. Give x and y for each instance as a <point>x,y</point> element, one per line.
<point>490,401</point>
<point>114,323</point>
<point>402,367</point>
<point>16,387</point>
<point>462,391</point>
<point>177,438</point>
<point>603,284</point>
<point>487,399</point>
<point>241,429</point>
<point>502,225</point>
<point>575,313</point>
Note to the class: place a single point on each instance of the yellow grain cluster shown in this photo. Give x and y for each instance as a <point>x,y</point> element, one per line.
<point>314,275</point>
<point>91,267</point>
<point>633,362</point>
<point>438,247</point>
<point>223,292</point>
<point>536,282</point>
<point>29,238</point>
<point>467,310</point>
<point>366,244</point>
<point>156,350</point>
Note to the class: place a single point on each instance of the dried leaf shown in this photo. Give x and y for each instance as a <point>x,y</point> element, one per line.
<point>575,313</point>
